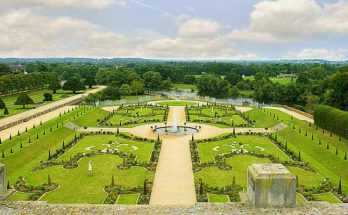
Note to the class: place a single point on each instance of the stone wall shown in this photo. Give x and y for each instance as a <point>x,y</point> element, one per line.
<point>315,208</point>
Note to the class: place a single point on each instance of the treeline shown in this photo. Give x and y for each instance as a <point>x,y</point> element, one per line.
<point>12,83</point>
<point>332,119</point>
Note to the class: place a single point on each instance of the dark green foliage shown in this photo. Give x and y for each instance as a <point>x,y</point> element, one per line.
<point>49,181</point>
<point>23,100</point>
<point>73,84</point>
<point>2,104</point>
<point>112,181</point>
<point>339,189</point>
<point>47,97</point>
<point>3,154</point>
<point>6,111</point>
<point>145,187</point>
<point>332,119</point>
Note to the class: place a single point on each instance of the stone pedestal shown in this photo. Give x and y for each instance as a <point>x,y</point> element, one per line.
<point>271,185</point>
<point>3,185</point>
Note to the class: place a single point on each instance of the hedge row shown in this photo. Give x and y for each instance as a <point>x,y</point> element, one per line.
<point>331,119</point>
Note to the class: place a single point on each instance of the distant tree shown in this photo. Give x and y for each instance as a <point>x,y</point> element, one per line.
<point>73,84</point>
<point>23,100</point>
<point>2,104</point>
<point>137,87</point>
<point>90,81</point>
<point>152,80</point>
<point>339,94</point>
<point>233,92</point>
<point>110,93</point>
<point>4,69</point>
<point>166,84</point>
<point>233,78</point>
<point>54,84</point>
<point>125,89</point>
<point>47,97</point>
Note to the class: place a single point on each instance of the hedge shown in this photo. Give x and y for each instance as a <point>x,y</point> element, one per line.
<point>331,119</point>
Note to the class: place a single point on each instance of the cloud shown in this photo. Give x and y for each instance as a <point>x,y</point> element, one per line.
<point>286,20</point>
<point>91,4</point>
<point>198,28</point>
<point>324,54</point>
<point>26,34</point>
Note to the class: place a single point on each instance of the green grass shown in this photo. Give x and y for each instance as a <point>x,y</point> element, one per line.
<point>327,197</point>
<point>92,119</point>
<point>128,199</point>
<point>283,80</point>
<point>306,178</point>
<point>300,200</point>
<point>217,198</point>
<point>185,87</point>
<point>323,160</point>
<point>177,103</point>
<point>215,177</point>
<point>258,144</point>
<point>94,143</point>
<point>19,196</point>
<point>36,95</point>
<point>261,118</point>
<point>76,186</point>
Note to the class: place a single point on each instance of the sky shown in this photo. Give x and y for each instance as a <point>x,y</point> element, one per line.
<point>180,29</point>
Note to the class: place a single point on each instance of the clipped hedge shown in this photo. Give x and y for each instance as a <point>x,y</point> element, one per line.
<point>331,119</point>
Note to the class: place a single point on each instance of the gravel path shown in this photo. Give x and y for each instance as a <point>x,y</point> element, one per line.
<point>174,183</point>
<point>293,113</point>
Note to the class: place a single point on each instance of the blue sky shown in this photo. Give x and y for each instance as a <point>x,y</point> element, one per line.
<point>182,29</point>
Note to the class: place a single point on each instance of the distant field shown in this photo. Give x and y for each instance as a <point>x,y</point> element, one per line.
<point>185,87</point>
<point>279,80</point>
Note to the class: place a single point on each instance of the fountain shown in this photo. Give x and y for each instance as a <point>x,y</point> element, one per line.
<point>175,129</point>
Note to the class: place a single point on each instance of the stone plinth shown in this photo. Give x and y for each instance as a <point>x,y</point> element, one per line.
<point>271,185</point>
<point>3,185</point>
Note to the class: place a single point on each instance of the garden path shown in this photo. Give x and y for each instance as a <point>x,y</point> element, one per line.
<point>174,182</point>
<point>293,113</point>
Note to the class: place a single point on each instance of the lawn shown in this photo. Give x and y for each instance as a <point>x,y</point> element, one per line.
<point>283,80</point>
<point>37,97</point>
<point>328,197</point>
<point>86,188</point>
<point>319,151</point>
<point>247,143</point>
<point>92,119</point>
<point>191,87</point>
<point>128,199</point>
<point>95,143</point>
<point>217,198</point>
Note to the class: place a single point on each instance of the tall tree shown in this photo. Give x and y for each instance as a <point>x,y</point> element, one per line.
<point>54,84</point>
<point>23,100</point>
<point>339,94</point>
<point>74,84</point>
<point>137,87</point>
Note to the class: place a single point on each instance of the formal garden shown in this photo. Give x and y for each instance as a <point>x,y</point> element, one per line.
<point>60,161</point>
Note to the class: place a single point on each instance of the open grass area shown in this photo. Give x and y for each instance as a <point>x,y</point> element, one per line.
<point>217,198</point>
<point>190,87</point>
<point>177,103</point>
<point>220,116</point>
<point>128,199</point>
<point>20,196</point>
<point>283,80</point>
<point>93,118</point>
<point>36,95</point>
<point>317,146</point>
<point>130,116</point>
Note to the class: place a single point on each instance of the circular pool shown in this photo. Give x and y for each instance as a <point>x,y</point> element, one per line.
<point>176,130</point>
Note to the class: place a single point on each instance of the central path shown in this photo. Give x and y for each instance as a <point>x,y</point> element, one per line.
<point>174,183</point>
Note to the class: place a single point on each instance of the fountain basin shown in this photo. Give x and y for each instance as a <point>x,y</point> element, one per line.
<point>176,130</point>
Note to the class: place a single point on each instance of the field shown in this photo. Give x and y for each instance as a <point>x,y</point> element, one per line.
<point>37,97</point>
<point>190,87</point>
